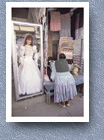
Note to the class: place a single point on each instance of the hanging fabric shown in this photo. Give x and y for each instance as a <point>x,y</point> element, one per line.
<point>65,25</point>
<point>81,32</point>
<point>77,51</point>
<point>55,24</point>
<point>82,58</point>
<point>55,36</point>
<point>79,54</point>
<point>82,64</point>
<point>35,15</point>
<point>77,26</point>
<point>50,44</point>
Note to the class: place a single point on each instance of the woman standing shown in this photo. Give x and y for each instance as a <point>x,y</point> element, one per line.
<point>65,88</point>
<point>29,73</point>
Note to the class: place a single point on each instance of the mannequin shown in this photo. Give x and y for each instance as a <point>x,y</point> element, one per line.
<point>29,73</point>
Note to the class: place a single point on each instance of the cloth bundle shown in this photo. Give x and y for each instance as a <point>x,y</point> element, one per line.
<point>65,42</point>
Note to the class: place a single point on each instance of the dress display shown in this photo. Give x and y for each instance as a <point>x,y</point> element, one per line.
<point>29,73</point>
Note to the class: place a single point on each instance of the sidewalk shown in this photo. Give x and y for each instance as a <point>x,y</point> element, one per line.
<point>37,106</point>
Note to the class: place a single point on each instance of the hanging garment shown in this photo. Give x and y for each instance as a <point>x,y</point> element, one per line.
<point>55,24</point>
<point>29,74</point>
<point>65,25</point>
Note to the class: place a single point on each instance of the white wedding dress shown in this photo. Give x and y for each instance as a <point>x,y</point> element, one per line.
<point>29,73</point>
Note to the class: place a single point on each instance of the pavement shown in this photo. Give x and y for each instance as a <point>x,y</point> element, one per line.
<point>37,106</point>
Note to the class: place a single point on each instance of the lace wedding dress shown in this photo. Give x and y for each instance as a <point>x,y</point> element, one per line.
<point>29,73</point>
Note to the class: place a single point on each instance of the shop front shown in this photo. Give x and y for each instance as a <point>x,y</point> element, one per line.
<point>53,31</point>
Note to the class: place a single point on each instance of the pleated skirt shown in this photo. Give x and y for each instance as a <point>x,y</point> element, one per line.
<point>64,87</point>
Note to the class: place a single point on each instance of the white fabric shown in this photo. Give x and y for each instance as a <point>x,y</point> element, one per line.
<point>53,69</point>
<point>29,74</point>
<point>70,67</point>
<point>46,78</point>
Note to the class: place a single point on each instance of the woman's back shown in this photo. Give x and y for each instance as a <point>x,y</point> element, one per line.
<point>61,65</point>
<point>64,86</point>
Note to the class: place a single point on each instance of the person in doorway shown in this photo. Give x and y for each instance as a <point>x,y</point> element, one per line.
<point>64,85</point>
<point>51,64</point>
<point>49,69</point>
<point>29,73</point>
